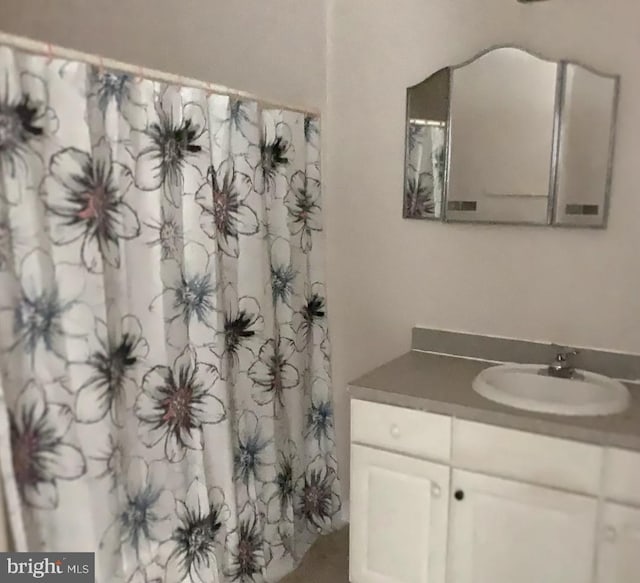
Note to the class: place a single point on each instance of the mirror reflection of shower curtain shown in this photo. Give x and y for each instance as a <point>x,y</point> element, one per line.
<point>425,172</point>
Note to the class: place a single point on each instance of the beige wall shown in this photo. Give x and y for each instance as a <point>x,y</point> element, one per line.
<point>387,274</point>
<point>275,48</point>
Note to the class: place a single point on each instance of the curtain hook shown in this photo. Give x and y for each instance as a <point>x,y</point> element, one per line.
<point>101,64</point>
<point>140,73</point>
<point>209,90</point>
<point>49,54</point>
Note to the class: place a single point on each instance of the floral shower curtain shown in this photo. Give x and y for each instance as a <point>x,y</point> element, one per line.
<point>164,355</point>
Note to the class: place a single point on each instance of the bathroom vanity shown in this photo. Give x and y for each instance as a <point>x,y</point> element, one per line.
<point>448,486</point>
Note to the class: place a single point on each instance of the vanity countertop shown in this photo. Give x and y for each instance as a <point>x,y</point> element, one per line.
<point>442,384</point>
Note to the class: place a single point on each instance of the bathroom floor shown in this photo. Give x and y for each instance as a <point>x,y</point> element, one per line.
<point>326,562</point>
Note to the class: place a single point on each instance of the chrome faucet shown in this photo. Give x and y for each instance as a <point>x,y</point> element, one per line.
<point>562,366</point>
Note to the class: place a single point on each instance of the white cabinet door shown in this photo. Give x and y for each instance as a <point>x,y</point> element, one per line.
<point>398,529</point>
<point>619,546</point>
<point>502,531</point>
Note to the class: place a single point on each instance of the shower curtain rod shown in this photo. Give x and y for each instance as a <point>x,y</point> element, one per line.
<point>34,46</point>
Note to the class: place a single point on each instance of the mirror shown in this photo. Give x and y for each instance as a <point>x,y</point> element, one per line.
<point>510,137</point>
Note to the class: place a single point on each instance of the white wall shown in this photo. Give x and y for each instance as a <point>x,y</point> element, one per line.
<point>387,274</point>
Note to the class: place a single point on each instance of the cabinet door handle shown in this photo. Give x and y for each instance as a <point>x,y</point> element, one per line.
<point>610,534</point>
<point>435,491</point>
<point>395,431</point>
<point>459,495</point>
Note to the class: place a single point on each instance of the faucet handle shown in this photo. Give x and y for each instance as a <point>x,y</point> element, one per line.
<point>562,367</point>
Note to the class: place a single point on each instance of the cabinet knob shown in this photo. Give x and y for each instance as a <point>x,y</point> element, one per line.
<point>610,534</point>
<point>458,495</point>
<point>395,431</point>
<point>435,491</point>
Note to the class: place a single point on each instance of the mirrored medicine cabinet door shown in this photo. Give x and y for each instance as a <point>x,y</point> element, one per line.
<point>511,137</point>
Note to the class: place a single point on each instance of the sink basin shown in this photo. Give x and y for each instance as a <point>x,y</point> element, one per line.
<point>523,387</point>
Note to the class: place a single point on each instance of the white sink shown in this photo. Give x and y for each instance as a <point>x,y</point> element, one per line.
<point>523,387</point>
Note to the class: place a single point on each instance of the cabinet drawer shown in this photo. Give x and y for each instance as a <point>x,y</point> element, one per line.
<point>417,433</point>
<point>529,457</point>
<point>622,476</point>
